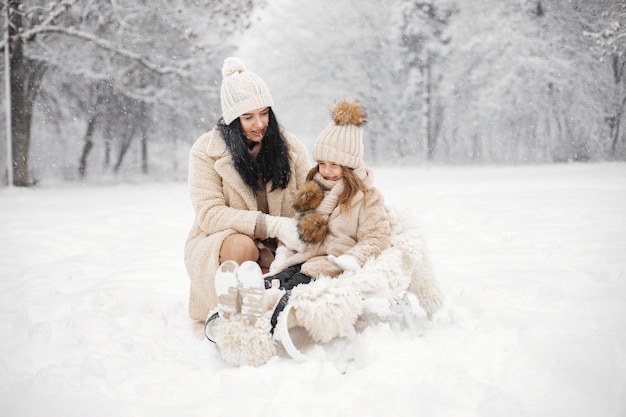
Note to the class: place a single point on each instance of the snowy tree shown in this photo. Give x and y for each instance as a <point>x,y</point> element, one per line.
<point>605,26</point>
<point>517,86</point>
<point>423,39</point>
<point>348,49</point>
<point>121,86</point>
<point>452,81</point>
<point>117,65</point>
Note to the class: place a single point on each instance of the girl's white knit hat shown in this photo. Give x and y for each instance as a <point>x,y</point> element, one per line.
<point>242,91</point>
<point>341,142</point>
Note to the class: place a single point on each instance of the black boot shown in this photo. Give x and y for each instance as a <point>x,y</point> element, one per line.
<point>296,279</point>
<point>288,278</point>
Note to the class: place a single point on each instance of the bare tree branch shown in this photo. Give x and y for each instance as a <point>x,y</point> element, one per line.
<point>110,46</point>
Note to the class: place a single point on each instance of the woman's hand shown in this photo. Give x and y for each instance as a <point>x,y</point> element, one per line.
<point>285,229</point>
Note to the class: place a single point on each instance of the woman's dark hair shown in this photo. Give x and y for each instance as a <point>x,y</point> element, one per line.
<point>272,160</point>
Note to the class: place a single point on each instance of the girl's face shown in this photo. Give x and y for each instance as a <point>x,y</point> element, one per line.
<point>330,171</point>
<point>254,123</point>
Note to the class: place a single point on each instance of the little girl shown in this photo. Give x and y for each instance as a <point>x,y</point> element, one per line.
<point>341,216</point>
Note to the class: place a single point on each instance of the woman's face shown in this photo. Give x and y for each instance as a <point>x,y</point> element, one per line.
<point>330,171</point>
<point>254,123</point>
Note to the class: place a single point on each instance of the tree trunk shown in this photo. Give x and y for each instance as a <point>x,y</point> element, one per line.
<point>143,137</point>
<point>82,167</point>
<point>26,76</point>
<point>616,120</point>
<point>108,140</point>
<point>125,146</point>
<point>615,127</point>
<point>20,118</point>
<point>431,145</point>
<point>144,151</point>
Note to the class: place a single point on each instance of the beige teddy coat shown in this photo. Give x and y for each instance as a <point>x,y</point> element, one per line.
<point>223,205</point>
<point>364,232</point>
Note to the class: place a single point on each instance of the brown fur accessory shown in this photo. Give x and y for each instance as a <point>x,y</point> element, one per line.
<point>308,197</point>
<point>348,112</point>
<point>312,227</point>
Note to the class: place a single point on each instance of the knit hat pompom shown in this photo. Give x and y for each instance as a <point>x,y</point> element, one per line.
<point>308,196</point>
<point>312,227</point>
<point>348,112</point>
<point>232,65</point>
<point>242,91</point>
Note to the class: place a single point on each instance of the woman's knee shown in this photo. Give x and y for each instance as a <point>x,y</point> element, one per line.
<point>239,248</point>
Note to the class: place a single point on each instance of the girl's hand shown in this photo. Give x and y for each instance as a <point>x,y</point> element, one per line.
<point>345,262</point>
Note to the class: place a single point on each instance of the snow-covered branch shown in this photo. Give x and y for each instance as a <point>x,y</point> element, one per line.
<point>56,10</point>
<point>112,47</point>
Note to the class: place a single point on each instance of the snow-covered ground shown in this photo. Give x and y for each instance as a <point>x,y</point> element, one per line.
<point>532,261</point>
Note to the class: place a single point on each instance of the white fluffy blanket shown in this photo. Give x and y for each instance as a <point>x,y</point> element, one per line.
<point>329,307</point>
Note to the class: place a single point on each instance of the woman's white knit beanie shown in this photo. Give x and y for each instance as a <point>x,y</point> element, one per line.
<point>242,91</point>
<point>341,142</point>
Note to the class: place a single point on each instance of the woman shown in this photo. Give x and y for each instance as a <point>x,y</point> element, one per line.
<point>242,176</point>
